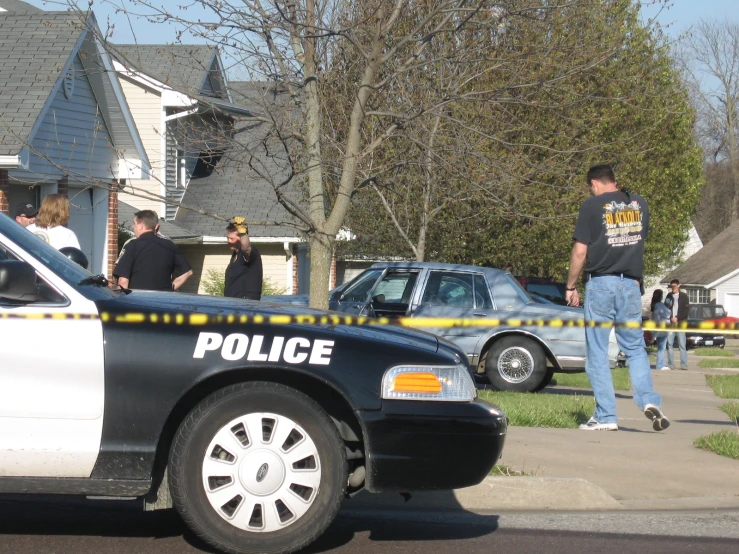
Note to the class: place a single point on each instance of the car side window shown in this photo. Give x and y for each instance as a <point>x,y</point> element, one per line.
<point>482,294</point>
<point>447,288</point>
<point>45,293</point>
<point>395,288</point>
<point>359,289</point>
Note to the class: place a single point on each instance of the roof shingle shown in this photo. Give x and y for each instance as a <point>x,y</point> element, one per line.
<point>33,50</point>
<point>715,260</point>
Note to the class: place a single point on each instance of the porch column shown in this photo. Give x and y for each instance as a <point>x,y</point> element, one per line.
<point>295,269</point>
<point>112,227</point>
<point>4,190</point>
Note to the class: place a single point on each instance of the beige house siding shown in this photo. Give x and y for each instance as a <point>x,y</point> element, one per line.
<point>146,107</point>
<point>204,257</point>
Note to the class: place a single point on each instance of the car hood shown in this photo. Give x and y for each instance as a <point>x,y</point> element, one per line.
<point>178,303</point>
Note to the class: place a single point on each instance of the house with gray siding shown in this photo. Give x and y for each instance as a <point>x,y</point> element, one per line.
<point>65,126</point>
<point>193,122</point>
<point>712,273</point>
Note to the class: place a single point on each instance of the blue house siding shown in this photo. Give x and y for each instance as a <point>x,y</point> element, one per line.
<point>73,135</point>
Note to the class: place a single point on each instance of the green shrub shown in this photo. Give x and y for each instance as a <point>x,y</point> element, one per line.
<point>214,284</point>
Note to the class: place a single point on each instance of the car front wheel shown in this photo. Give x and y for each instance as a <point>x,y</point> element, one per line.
<point>517,364</point>
<point>258,467</point>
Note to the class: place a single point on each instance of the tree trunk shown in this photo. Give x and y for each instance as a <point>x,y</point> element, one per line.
<point>321,250</point>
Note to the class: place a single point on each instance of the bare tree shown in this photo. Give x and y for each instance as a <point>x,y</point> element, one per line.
<point>407,70</point>
<point>710,63</point>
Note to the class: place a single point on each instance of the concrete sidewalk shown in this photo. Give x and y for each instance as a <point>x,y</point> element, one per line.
<point>634,468</point>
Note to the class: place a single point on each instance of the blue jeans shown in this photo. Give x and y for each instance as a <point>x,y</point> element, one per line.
<point>661,346</point>
<point>681,341</point>
<point>615,299</point>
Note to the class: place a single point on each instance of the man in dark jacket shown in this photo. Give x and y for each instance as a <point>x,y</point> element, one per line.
<point>150,262</point>
<point>677,301</point>
<point>244,272</point>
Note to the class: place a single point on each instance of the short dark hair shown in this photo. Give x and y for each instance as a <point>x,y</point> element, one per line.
<point>674,282</point>
<point>603,173</point>
<point>149,218</point>
<point>231,228</point>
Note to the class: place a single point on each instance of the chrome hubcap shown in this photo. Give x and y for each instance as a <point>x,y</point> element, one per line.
<point>515,364</point>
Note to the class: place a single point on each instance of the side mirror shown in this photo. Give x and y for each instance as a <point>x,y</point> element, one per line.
<point>17,280</point>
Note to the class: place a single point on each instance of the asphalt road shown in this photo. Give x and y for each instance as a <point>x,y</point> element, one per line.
<point>45,527</point>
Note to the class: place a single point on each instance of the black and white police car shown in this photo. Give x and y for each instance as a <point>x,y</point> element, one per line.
<point>253,424</point>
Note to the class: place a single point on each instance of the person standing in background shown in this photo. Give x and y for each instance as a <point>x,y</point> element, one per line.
<point>150,262</point>
<point>25,214</point>
<point>51,222</point>
<point>660,315</point>
<point>678,303</point>
<point>244,273</point>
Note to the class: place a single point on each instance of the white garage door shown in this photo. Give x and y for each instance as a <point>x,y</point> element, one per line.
<point>731,304</point>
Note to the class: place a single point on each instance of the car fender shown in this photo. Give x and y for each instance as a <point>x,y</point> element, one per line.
<point>487,340</point>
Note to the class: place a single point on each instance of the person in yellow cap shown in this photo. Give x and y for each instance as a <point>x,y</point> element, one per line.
<point>244,273</point>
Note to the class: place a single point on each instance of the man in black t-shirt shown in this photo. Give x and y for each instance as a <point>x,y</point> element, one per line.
<point>609,243</point>
<point>244,273</point>
<point>150,262</point>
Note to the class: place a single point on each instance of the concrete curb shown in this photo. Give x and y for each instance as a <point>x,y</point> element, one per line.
<point>501,493</point>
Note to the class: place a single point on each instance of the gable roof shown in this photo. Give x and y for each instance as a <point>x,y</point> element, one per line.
<point>711,264</point>
<point>17,6</point>
<point>34,48</point>
<point>183,67</point>
<point>233,189</point>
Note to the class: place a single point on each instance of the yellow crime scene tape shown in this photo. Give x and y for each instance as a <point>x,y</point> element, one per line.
<point>198,319</point>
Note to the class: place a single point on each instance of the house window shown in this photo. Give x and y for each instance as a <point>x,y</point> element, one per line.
<point>698,296</point>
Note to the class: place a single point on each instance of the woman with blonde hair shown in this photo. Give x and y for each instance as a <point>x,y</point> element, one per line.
<point>51,221</point>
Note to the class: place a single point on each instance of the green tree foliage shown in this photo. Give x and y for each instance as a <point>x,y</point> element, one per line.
<point>565,88</point>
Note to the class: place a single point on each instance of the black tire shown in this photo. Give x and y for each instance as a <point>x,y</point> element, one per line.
<point>210,423</point>
<point>517,364</point>
<point>547,379</point>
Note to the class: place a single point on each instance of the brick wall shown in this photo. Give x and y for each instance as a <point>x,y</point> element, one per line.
<point>62,186</point>
<point>112,227</point>
<point>4,186</point>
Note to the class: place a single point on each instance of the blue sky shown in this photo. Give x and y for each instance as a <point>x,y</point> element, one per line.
<point>677,19</point>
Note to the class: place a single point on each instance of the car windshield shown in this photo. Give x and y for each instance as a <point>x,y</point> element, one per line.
<point>49,256</point>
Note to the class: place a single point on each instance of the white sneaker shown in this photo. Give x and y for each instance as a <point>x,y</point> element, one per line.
<point>666,368</point>
<point>655,415</point>
<point>593,425</point>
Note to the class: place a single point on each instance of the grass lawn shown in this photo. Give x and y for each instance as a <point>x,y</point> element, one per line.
<point>725,386</point>
<point>505,471</point>
<point>721,352</point>
<point>580,380</point>
<point>732,410</point>
<point>718,362</point>
<point>725,443</point>
<point>564,411</point>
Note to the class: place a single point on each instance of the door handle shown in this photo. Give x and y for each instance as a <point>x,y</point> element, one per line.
<point>480,314</point>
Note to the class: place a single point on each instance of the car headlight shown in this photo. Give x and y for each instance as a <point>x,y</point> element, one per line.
<point>445,383</point>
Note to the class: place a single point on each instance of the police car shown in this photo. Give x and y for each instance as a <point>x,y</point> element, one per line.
<point>253,420</point>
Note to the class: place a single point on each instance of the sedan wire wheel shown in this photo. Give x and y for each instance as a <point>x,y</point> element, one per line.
<point>261,472</point>
<point>515,364</point>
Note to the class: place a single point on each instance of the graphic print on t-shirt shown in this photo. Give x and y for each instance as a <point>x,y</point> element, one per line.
<point>43,235</point>
<point>623,223</point>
